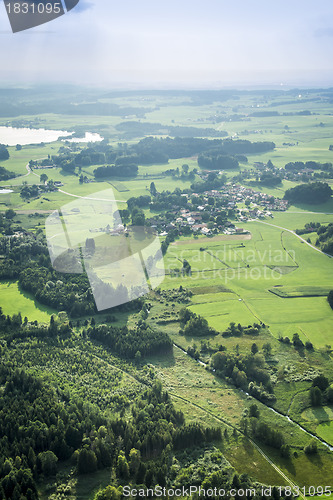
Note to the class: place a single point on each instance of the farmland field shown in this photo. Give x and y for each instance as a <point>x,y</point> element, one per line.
<point>14,301</point>
<point>273,260</point>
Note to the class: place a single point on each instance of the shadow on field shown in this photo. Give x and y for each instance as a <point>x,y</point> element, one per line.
<point>163,360</point>
<point>37,305</point>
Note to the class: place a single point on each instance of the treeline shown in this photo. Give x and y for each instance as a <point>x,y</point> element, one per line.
<point>124,160</point>
<point>213,161</point>
<point>325,235</point>
<point>296,342</point>
<point>133,129</point>
<point>312,193</point>
<point>245,371</point>
<point>175,148</point>
<point>242,146</point>
<point>64,105</point>
<point>234,330</point>
<point>15,327</point>
<point>227,155</point>
<point>116,171</point>
<point>313,165</point>
<point>263,432</point>
<point>325,238</point>
<point>132,343</point>
<point>27,259</point>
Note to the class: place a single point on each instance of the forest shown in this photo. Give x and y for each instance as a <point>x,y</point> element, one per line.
<point>313,193</point>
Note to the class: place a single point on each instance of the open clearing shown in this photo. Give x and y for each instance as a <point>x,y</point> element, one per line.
<point>13,301</point>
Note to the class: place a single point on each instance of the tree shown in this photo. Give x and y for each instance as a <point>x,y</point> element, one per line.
<point>330,299</point>
<point>315,396</point>
<point>137,357</point>
<point>10,213</point>
<point>267,349</point>
<point>185,168</point>
<point>311,448</point>
<point>254,411</point>
<point>109,493</point>
<point>313,192</point>
<point>4,155</point>
<point>48,462</point>
<point>134,461</point>
<point>18,147</point>
<point>138,217</point>
<point>43,178</point>
<point>90,245</point>
<point>152,189</point>
<point>87,461</point>
<point>186,269</point>
<point>122,466</point>
<point>297,342</point>
<point>320,381</point>
<point>254,348</point>
<point>329,394</point>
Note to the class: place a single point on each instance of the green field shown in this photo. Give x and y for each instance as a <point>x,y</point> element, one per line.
<point>322,418</point>
<point>273,260</point>
<point>325,431</point>
<point>13,301</point>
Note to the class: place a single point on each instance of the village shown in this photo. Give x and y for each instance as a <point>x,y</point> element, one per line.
<point>218,211</point>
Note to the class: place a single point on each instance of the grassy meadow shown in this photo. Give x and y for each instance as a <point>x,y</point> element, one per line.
<point>13,300</point>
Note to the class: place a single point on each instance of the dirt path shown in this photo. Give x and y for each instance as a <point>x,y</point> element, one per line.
<point>89,197</point>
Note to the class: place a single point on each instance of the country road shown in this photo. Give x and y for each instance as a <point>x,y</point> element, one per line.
<point>297,236</point>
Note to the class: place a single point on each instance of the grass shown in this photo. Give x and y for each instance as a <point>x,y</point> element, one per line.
<point>13,300</point>
<point>325,431</point>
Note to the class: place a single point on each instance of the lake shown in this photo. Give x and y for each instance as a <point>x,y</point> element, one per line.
<point>13,135</point>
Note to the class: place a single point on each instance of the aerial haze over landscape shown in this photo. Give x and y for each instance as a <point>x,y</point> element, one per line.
<point>166,243</point>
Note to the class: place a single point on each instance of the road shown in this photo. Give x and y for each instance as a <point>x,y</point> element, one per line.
<point>295,234</point>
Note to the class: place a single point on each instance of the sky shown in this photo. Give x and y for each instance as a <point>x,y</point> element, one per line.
<point>175,44</point>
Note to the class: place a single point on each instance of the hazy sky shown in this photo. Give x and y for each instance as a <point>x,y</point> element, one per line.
<point>211,43</point>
